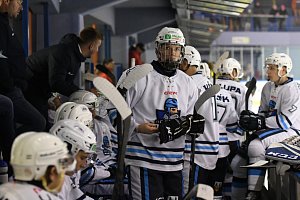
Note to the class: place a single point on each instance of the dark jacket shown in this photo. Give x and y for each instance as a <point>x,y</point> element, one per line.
<point>55,68</point>
<point>12,68</point>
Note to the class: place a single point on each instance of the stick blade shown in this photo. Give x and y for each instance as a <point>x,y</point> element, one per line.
<point>205,192</point>
<point>134,74</point>
<point>202,191</point>
<point>210,92</point>
<point>113,95</point>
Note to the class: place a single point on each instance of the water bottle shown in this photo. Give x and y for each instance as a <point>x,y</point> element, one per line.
<point>3,170</point>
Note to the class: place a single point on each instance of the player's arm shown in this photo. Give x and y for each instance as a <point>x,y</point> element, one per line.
<point>288,112</point>
<point>59,63</point>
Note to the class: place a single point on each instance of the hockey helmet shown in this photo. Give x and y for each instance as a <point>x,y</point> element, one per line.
<point>33,152</point>
<point>79,112</point>
<point>76,135</point>
<point>204,69</point>
<point>227,67</point>
<point>192,56</point>
<point>85,97</point>
<point>281,60</point>
<point>172,36</point>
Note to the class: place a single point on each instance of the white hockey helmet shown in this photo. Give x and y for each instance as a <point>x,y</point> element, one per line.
<point>173,36</point>
<point>281,60</point>
<point>204,69</point>
<point>85,97</point>
<point>192,56</point>
<point>227,67</point>
<point>33,152</point>
<point>76,135</point>
<point>71,110</point>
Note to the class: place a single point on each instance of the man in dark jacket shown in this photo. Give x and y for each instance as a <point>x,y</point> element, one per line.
<point>13,71</point>
<point>55,68</point>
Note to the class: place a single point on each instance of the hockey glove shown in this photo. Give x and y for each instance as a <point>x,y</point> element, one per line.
<point>197,124</point>
<point>249,121</point>
<point>171,129</point>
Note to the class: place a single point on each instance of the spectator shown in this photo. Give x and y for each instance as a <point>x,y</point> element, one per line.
<point>273,20</point>
<point>256,20</point>
<point>13,71</point>
<point>106,70</point>
<point>135,52</point>
<point>283,13</point>
<point>55,68</point>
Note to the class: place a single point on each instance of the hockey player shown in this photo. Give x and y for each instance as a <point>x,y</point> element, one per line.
<point>39,161</point>
<point>154,155</point>
<point>214,174</point>
<point>278,119</point>
<point>106,148</point>
<point>81,143</point>
<point>228,73</point>
<point>105,133</point>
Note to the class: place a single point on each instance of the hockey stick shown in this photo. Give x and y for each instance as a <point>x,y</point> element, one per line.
<point>112,94</point>
<point>124,111</point>
<point>207,94</point>
<point>201,191</point>
<point>251,87</point>
<point>218,64</point>
<point>132,75</point>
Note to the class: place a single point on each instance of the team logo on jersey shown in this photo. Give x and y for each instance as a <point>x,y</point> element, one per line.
<point>170,110</point>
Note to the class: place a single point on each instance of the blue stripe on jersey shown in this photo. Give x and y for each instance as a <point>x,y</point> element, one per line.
<point>283,122</point>
<point>256,172</point>
<point>231,130</point>
<point>223,138</point>
<point>146,183</point>
<point>155,155</point>
<point>268,133</point>
<point>197,147</point>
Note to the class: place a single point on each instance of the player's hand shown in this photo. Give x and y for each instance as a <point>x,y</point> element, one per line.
<point>250,121</point>
<point>147,128</point>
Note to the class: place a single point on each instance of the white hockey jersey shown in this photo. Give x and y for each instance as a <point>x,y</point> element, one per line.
<point>106,141</point>
<point>156,97</point>
<point>227,118</point>
<point>207,144</point>
<point>238,94</point>
<point>70,189</point>
<point>281,104</point>
<point>24,191</point>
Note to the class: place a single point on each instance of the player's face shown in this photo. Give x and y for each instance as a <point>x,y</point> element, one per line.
<point>56,180</point>
<point>272,72</point>
<point>81,158</point>
<point>14,7</point>
<point>170,52</point>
